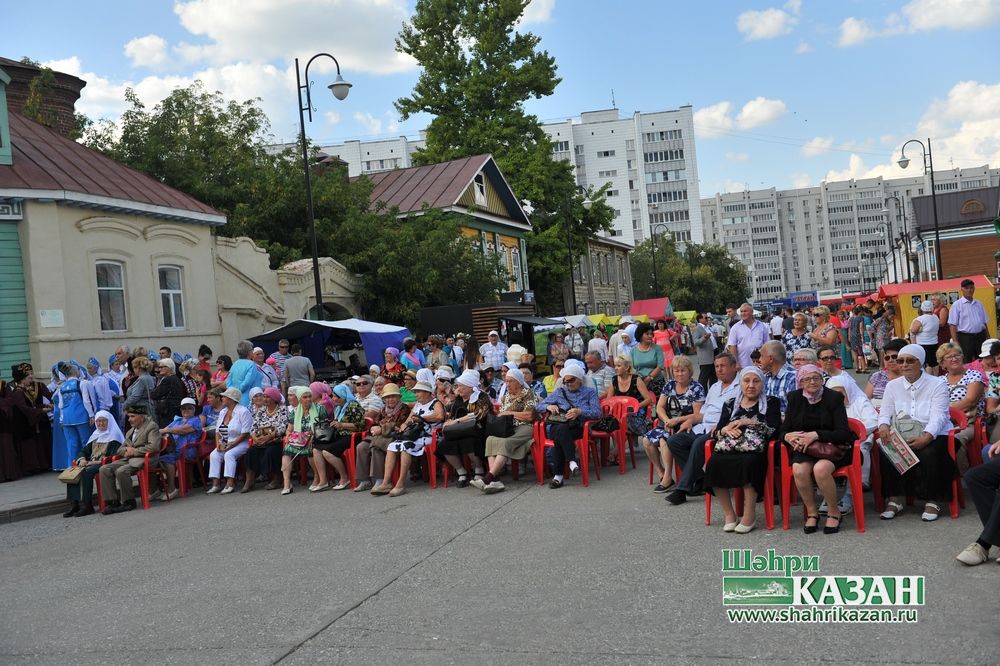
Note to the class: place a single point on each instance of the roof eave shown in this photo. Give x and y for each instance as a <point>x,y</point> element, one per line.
<point>113,204</point>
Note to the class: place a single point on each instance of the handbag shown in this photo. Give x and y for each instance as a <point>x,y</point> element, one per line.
<point>300,439</point>
<point>655,384</point>
<point>753,439</point>
<point>460,430</point>
<point>499,426</point>
<point>323,433</point>
<point>674,408</point>
<point>638,424</point>
<point>71,475</point>
<point>607,423</point>
<point>907,426</point>
<point>826,451</point>
<point>412,432</point>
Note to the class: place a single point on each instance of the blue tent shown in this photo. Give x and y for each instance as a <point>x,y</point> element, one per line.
<point>315,336</point>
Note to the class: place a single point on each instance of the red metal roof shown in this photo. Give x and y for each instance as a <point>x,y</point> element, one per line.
<point>951,284</point>
<point>46,161</point>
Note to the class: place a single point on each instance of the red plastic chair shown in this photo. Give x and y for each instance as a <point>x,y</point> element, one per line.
<point>975,449</point>
<point>182,464</point>
<point>851,472</point>
<point>144,481</point>
<point>961,422</point>
<point>586,447</point>
<point>620,407</point>
<point>738,492</point>
<point>100,497</point>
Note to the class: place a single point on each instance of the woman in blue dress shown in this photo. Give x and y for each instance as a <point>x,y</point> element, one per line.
<point>73,418</point>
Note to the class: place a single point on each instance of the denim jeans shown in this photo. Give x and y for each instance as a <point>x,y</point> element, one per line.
<point>689,451</point>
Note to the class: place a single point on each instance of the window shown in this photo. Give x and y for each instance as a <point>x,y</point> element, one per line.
<point>607,174</point>
<point>560,147</point>
<point>480,189</point>
<point>605,153</point>
<point>171,297</point>
<point>515,255</point>
<point>111,295</point>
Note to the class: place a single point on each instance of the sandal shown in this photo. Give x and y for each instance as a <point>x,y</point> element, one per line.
<point>928,516</point>
<point>809,529</point>
<point>827,529</point>
<point>892,509</point>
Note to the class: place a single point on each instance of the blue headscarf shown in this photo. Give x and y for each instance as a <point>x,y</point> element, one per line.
<point>111,359</point>
<point>92,361</point>
<point>153,356</point>
<point>343,392</point>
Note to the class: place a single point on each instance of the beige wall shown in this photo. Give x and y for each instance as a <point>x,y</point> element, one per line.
<point>60,245</point>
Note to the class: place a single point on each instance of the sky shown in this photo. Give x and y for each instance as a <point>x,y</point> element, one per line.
<point>785,95</point>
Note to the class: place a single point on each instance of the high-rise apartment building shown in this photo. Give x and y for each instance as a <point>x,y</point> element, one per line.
<point>832,236</point>
<point>649,160</point>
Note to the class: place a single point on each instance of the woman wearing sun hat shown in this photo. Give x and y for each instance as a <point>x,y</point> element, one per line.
<point>371,451</point>
<point>232,440</point>
<point>427,410</point>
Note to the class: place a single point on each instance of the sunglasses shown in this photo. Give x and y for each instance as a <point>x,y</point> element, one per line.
<point>953,357</point>
<point>890,358</point>
<point>570,380</point>
<point>362,383</point>
<point>810,379</point>
<point>560,365</point>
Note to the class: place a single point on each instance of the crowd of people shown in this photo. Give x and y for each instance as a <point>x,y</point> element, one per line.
<point>259,420</point>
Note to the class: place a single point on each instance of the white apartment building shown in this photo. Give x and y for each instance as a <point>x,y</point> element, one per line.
<point>649,159</point>
<point>832,236</point>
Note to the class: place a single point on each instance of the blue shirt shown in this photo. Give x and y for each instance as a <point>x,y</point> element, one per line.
<point>245,375</point>
<point>780,385</point>
<point>585,399</point>
<point>190,438</point>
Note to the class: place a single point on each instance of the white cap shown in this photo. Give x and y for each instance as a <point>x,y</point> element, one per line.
<point>469,378</point>
<point>492,333</point>
<point>188,401</point>
<point>572,370</point>
<point>984,352</point>
<point>927,306</point>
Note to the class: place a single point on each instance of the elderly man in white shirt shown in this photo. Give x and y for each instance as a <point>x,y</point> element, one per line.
<point>924,398</point>
<point>494,352</point>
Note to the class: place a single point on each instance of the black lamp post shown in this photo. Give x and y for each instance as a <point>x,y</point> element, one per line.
<point>904,234</point>
<point>887,225</point>
<point>928,161</point>
<point>587,203</point>
<point>339,88</point>
<point>652,238</point>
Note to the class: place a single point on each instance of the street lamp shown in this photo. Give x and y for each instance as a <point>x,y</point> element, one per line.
<point>587,204</point>
<point>890,246</point>
<point>339,88</point>
<point>652,238</point>
<point>904,234</point>
<point>928,161</point>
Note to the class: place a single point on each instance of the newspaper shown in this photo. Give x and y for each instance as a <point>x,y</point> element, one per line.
<point>898,451</point>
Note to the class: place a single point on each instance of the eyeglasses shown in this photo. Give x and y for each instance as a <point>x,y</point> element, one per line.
<point>953,357</point>
<point>811,379</point>
<point>570,380</point>
<point>559,365</point>
<point>907,360</point>
<point>362,383</point>
<point>889,358</point>
<point>827,358</point>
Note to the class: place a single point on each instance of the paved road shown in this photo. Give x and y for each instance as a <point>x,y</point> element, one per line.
<point>609,574</point>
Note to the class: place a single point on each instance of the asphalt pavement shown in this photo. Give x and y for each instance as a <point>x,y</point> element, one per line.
<point>605,574</point>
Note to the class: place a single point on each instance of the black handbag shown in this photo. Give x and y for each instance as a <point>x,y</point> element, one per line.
<point>323,433</point>
<point>499,426</point>
<point>460,430</point>
<point>607,423</point>
<point>412,432</point>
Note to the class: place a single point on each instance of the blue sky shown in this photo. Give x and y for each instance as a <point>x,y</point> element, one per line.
<point>784,94</point>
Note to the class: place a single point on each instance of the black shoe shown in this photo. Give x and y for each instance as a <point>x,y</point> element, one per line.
<point>836,528</point>
<point>87,510</point>
<point>112,507</point>
<point>809,529</point>
<point>660,488</point>
<point>125,506</point>
<point>677,497</point>
<point>73,510</point>
<point>463,482</point>
<point>554,484</point>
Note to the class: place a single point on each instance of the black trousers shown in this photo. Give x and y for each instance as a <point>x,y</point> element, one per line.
<point>971,343</point>
<point>983,483</point>
<point>707,375</point>
<point>930,480</point>
<point>564,436</point>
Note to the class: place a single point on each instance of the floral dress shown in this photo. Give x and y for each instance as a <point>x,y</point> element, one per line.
<point>695,393</point>
<point>882,331</point>
<point>794,343</point>
<point>960,389</point>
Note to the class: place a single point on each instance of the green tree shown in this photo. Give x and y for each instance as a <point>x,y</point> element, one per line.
<point>691,281</point>
<point>477,72</point>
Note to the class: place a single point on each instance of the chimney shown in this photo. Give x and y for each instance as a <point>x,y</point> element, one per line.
<point>59,98</point>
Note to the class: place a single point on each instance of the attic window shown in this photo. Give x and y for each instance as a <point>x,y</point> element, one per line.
<point>479,185</point>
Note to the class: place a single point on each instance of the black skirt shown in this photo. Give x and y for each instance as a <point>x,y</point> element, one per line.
<point>337,446</point>
<point>930,480</point>
<point>799,457</point>
<point>736,469</point>
<point>265,460</point>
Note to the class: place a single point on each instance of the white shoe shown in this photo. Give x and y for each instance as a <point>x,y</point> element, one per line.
<point>493,487</point>
<point>477,483</point>
<point>286,491</point>
<point>745,529</point>
<point>155,495</point>
<point>845,507</point>
<point>227,490</point>
<point>929,517</point>
<point>170,496</point>
<point>342,486</point>
<point>213,490</point>
<point>823,509</point>
<point>730,527</point>
<point>973,554</point>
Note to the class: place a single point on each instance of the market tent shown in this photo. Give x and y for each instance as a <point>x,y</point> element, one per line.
<point>576,321</point>
<point>652,308</point>
<point>686,316</point>
<point>315,336</point>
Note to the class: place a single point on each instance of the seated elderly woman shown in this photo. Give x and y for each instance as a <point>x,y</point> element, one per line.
<point>444,389</point>
<point>104,441</point>
<point>299,433</point>
<point>739,455</point>
<point>576,403</point>
<point>677,409</point>
<point>370,462</point>
<point>322,396</point>
<point>270,420</point>
<point>471,404</point>
<point>408,444</point>
<point>816,415</point>
<point>966,388</point>
<point>519,403</point>
<point>348,418</point>
<point>916,405</point>
<point>232,440</point>
<point>184,429</point>
<point>406,390</point>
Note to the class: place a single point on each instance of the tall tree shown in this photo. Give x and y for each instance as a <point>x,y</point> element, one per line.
<point>478,70</point>
<point>700,277</point>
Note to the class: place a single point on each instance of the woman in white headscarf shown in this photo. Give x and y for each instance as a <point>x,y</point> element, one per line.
<point>104,441</point>
<point>470,403</point>
<point>739,459</point>
<point>519,403</point>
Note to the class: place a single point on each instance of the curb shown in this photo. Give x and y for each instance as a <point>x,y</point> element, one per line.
<point>39,510</point>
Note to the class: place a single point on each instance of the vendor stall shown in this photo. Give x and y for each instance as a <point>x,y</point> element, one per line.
<point>907,296</point>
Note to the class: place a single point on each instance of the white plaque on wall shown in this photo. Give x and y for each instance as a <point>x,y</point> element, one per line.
<point>51,318</point>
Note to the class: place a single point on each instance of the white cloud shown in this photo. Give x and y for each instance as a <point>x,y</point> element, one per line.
<point>376,125</point>
<point>332,118</point>
<point>800,179</point>
<point>538,11</point>
<point>794,6</point>
<point>766,24</point>
<point>817,146</point>
<point>737,157</point>
<point>803,47</point>
<point>709,120</point>
<point>923,15</point>
<point>361,33</point>
<point>887,139</point>
<point>731,185</point>
<point>149,51</point>
<point>760,111</point>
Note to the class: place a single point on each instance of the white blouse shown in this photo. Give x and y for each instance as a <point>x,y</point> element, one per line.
<point>926,400</point>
